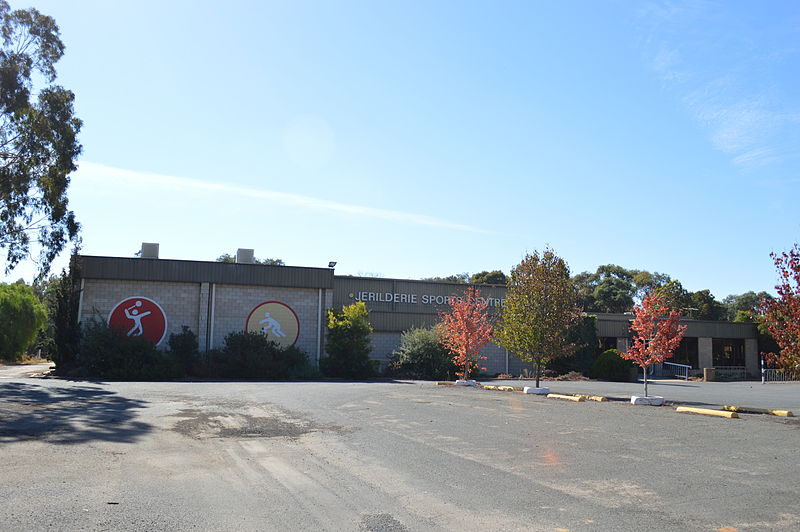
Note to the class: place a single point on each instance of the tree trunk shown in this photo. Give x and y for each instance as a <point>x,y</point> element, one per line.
<point>644,368</point>
<point>537,373</point>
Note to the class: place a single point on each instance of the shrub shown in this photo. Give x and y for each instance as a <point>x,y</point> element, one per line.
<point>609,366</point>
<point>248,355</point>
<point>184,349</point>
<point>421,355</point>
<point>105,354</point>
<point>572,376</point>
<point>22,316</point>
<point>347,344</point>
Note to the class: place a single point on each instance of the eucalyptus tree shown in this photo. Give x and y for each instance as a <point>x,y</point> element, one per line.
<point>38,140</point>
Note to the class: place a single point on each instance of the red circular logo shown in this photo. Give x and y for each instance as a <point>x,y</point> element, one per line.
<point>139,316</point>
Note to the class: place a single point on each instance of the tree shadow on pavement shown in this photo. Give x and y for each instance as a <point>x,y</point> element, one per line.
<point>67,415</point>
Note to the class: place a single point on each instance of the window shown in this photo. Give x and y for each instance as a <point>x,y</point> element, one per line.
<point>686,353</point>
<point>728,351</point>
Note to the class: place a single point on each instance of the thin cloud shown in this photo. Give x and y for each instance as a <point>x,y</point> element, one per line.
<point>728,75</point>
<point>99,173</point>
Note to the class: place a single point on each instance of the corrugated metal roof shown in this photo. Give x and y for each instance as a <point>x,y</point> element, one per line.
<point>186,271</point>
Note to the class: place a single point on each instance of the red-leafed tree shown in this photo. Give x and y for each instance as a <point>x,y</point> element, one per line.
<point>466,329</point>
<point>656,333</point>
<point>781,315</point>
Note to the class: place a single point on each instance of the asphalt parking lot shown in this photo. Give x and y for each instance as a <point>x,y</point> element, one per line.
<point>746,393</point>
<point>382,456</point>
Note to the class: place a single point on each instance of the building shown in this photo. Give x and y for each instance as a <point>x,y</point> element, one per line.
<point>154,297</point>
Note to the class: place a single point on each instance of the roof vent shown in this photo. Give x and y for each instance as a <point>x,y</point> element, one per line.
<point>149,250</point>
<point>245,256</point>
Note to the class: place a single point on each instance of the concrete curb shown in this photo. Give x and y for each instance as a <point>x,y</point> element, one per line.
<point>707,412</point>
<point>748,410</point>
<point>532,390</point>
<point>728,411</point>
<point>598,398</point>
<point>574,398</point>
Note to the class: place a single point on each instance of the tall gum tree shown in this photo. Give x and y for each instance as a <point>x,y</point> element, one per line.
<point>38,140</point>
<point>540,308</point>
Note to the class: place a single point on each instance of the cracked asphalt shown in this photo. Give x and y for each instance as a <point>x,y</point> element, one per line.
<point>381,456</point>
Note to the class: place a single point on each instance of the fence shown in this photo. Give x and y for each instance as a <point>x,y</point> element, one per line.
<point>779,375</point>
<point>670,369</point>
<point>730,373</point>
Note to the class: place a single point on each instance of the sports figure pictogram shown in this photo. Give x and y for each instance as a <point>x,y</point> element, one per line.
<point>271,324</point>
<point>132,313</point>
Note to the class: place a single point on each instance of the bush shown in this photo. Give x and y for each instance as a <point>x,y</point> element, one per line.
<point>184,349</point>
<point>421,355</point>
<point>347,344</point>
<point>248,355</point>
<point>105,354</point>
<point>22,316</point>
<point>572,376</point>
<point>609,366</point>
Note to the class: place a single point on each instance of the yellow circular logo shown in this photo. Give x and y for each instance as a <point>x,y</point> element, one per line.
<point>275,320</point>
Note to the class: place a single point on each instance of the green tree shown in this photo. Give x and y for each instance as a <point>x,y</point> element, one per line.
<point>708,308</point>
<point>675,296</point>
<point>646,282</point>
<point>739,307</point>
<point>614,289</point>
<point>541,307</point>
<point>613,294</point>
<point>61,336</point>
<point>584,283</point>
<point>226,257</point>
<point>22,316</point>
<point>348,343</point>
<point>422,355</point>
<point>459,278</point>
<point>38,140</point>
<point>495,277</point>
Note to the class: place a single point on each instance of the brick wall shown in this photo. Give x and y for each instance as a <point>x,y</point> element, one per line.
<point>180,301</point>
<point>187,304</point>
<point>383,343</point>
<point>233,304</point>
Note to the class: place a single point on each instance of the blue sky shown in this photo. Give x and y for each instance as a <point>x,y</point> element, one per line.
<point>413,139</point>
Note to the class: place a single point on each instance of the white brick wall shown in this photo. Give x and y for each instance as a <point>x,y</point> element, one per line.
<point>187,304</point>
<point>180,301</point>
<point>233,304</point>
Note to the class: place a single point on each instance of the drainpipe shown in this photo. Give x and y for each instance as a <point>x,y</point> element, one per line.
<point>319,327</point>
